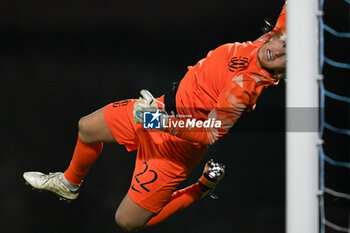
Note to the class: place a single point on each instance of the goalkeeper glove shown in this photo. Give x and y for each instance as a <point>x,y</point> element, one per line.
<point>145,103</point>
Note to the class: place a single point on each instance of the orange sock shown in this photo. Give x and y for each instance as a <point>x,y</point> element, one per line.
<point>84,156</point>
<point>179,200</point>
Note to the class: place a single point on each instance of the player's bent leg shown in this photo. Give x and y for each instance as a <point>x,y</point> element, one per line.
<point>93,128</point>
<point>181,199</point>
<point>93,131</point>
<point>130,216</point>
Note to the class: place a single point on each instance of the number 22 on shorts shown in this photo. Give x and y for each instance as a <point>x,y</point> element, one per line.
<point>143,185</point>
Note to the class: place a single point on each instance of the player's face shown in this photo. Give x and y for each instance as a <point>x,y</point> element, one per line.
<point>272,55</point>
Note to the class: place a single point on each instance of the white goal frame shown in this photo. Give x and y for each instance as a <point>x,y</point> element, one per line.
<point>302,94</point>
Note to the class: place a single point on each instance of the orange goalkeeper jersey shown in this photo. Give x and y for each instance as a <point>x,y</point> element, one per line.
<point>222,86</point>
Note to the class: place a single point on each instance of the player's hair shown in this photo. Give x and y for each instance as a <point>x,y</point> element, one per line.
<point>268,26</point>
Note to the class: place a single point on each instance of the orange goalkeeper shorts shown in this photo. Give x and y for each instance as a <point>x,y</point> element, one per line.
<point>163,161</point>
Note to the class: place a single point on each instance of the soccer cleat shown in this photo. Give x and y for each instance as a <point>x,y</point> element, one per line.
<point>51,182</point>
<point>212,174</point>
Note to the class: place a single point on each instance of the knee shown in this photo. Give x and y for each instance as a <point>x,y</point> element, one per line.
<point>84,129</point>
<point>126,223</point>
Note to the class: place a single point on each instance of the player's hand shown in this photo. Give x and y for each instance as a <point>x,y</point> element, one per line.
<point>145,103</point>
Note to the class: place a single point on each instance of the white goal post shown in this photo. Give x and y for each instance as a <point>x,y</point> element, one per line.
<point>302,117</point>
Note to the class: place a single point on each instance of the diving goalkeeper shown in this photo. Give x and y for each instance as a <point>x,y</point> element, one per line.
<point>220,87</point>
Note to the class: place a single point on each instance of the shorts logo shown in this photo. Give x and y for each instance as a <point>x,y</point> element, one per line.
<point>151,119</point>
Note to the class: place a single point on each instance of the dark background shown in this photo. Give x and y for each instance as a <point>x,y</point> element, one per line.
<point>61,60</point>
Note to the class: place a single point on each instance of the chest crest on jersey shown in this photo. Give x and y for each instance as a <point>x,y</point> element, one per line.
<point>238,63</point>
